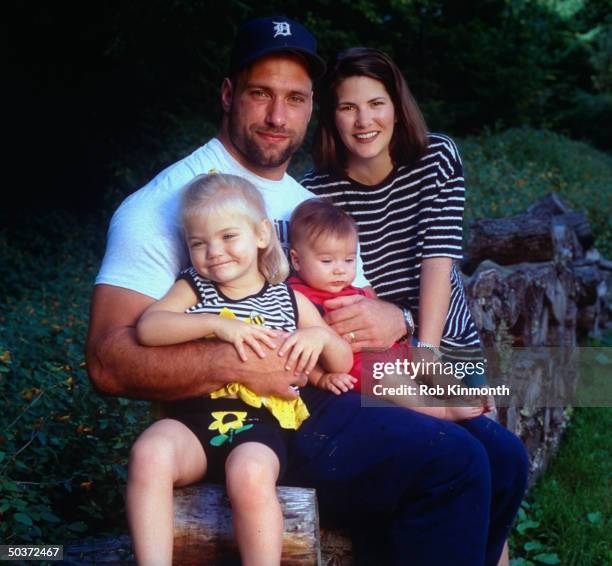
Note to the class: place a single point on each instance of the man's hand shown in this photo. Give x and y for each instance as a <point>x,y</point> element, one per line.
<point>268,377</point>
<point>364,322</point>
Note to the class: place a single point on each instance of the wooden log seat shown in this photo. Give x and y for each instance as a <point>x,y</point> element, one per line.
<point>203,533</point>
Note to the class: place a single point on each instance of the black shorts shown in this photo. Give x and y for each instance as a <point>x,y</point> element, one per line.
<point>222,424</point>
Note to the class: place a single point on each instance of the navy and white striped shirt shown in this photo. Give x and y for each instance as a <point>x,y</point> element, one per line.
<point>273,307</point>
<point>413,214</point>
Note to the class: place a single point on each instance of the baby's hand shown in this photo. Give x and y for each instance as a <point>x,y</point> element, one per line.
<point>306,346</point>
<point>337,383</point>
<point>463,413</point>
<point>240,333</point>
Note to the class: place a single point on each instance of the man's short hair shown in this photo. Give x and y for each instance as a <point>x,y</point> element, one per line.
<point>319,217</point>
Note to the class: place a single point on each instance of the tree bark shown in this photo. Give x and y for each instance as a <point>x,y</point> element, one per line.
<point>203,532</point>
<point>553,205</point>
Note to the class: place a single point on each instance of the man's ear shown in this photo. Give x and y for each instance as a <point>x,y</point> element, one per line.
<point>295,259</point>
<point>264,234</point>
<point>227,95</point>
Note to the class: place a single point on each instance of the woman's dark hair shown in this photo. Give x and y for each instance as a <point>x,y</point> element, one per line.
<point>409,140</point>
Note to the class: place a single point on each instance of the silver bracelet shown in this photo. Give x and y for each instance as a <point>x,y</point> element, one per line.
<point>436,351</point>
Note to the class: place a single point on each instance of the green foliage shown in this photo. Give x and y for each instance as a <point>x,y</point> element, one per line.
<point>567,514</point>
<point>508,171</point>
<point>484,63</point>
<point>115,91</point>
<point>585,115</point>
<point>63,448</point>
<point>601,57</point>
<point>535,550</point>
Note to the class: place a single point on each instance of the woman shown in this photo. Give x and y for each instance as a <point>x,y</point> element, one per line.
<point>404,189</point>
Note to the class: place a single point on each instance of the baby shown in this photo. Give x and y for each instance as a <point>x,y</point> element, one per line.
<point>323,254</point>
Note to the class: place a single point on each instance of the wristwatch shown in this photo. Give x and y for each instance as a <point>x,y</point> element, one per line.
<point>409,323</point>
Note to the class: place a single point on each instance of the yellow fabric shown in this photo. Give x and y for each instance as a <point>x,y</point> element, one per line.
<point>290,414</point>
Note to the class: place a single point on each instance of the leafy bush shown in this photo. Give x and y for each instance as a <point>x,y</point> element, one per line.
<point>506,172</point>
<point>63,448</point>
<point>585,116</point>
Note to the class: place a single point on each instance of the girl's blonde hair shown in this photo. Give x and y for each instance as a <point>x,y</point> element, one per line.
<point>219,194</point>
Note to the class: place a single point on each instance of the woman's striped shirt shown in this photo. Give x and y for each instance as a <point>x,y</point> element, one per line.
<point>413,214</point>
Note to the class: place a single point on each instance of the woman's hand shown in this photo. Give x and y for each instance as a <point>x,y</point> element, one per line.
<point>337,383</point>
<point>305,345</point>
<point>240,333</point>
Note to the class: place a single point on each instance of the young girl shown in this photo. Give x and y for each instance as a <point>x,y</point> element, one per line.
<point>323,254</point>
<point>234,292</point>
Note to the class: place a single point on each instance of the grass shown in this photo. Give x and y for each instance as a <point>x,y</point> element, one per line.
<point>566,516</point>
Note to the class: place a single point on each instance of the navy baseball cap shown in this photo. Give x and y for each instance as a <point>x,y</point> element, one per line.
<point>260,37</point>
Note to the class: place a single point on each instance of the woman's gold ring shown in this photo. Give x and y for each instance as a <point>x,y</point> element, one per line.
<point>351,337</point>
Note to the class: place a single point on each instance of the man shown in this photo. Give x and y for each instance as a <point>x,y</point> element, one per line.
<point>428,482</point>
<point>267,107</point>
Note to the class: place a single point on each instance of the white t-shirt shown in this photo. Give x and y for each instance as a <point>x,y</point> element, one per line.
<point>145,250</point>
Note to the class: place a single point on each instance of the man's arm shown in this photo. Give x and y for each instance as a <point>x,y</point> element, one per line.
<point>118,365</point>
